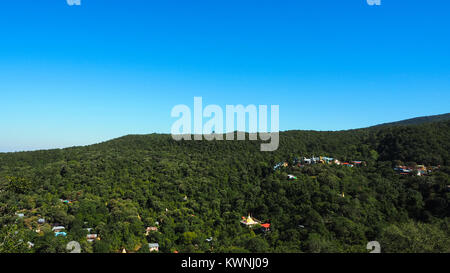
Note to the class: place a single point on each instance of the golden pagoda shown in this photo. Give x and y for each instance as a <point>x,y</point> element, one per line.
<point>250,221</point>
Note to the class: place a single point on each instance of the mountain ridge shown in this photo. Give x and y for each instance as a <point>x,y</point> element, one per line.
<point>414,121</point>
<point>406,122</point>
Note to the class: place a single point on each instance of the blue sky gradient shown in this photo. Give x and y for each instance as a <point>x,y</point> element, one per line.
<point>77,75</point>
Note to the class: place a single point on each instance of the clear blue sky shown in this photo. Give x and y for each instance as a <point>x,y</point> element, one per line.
<point>76,75</point>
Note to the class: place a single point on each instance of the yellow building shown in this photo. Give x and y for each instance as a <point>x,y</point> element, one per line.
<point>250,221</point>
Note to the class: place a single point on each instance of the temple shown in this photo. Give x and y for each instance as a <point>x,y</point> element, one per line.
<point>250,221</point>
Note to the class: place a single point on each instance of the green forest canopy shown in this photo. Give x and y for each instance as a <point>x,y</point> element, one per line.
<point>194,190</point>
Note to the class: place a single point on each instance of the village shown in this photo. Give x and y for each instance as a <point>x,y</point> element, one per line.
<point>304,161</point>
<point>34,221</point>
<point>418,170</point>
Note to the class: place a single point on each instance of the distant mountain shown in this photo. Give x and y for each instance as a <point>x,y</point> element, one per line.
<point>416,121</point>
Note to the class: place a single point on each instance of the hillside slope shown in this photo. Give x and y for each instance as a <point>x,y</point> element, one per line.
<point>418,120</point>
<point>194,190</point>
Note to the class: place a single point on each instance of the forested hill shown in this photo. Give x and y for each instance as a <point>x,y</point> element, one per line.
<point>194,194</point>
<point>418,120</point>
<point>427,143</point>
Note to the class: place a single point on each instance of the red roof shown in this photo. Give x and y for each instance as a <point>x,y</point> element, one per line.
<point>266,225</point>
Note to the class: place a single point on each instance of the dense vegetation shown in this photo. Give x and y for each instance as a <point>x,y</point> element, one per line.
<point>120,187</point>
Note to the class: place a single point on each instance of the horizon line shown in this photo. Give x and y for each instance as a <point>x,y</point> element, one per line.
<point>236,131</point>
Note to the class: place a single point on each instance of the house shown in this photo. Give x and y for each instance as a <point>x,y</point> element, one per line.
<point>92,237</point>
<point>153,247</point>
<point>327,160</point>
<point>279,165</point>
<point>312,160</point>
<point>149,229</point>
<point>41,221</point>
<point>420,172</point>
<point>20,215</point>
<point>406,169</point>
<point>58,228</point>
<point>292,177</point>
<point>265,227</point>
<point>306,161</point>
<point>62,233</point>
